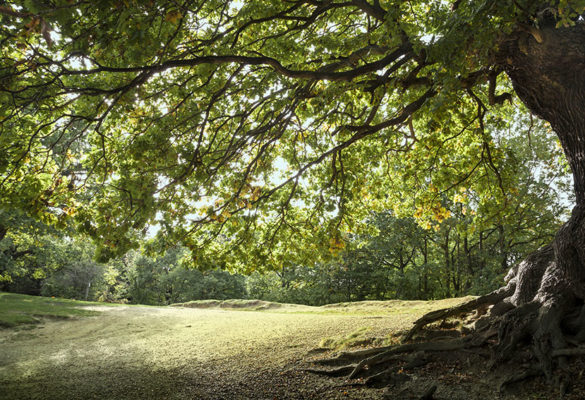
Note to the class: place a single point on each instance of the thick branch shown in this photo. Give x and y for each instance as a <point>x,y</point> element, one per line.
<point>247,60</point>
<point>374,11</point>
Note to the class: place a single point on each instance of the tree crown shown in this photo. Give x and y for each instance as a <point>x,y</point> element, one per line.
<point>276,123</point>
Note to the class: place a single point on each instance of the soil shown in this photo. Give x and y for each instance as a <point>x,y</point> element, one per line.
<point>219,353</point>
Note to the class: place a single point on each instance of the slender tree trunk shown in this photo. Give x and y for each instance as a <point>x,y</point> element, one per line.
<point>447,259</point>
<point>426,269</point>
<point>3,231</point>
<point>87,287</point>
<point>503,248</point>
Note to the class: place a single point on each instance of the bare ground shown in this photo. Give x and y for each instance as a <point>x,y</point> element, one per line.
<point>217,353</point>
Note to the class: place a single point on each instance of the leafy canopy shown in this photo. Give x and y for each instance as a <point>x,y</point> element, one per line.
<point>255,132</point>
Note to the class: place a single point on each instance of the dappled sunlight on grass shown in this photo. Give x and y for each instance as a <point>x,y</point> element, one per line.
<point>137,352</point>
<point>17,309</point>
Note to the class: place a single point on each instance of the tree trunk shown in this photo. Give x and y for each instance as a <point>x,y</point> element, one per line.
<point>503,248</point>
<point>549,77</point>
<point>87,287</point>
<point>547,70</point>
<point>447,261</point>
<point>426,269</point>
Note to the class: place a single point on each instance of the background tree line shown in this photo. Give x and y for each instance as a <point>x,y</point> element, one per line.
<point>463,245</point>
<point>465,251</point>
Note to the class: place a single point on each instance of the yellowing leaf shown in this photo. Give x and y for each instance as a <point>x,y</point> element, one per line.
<point>173,16</point>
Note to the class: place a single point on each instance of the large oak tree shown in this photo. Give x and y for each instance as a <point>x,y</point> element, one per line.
<point>256,131</point>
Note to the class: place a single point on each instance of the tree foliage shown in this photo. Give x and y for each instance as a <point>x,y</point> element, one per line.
<point>164,279</point>
<point>29,251</point>
<point>257,133</point>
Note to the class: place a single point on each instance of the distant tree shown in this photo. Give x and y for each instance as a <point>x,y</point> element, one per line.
<point>78,277</point>
<point>29,252</point>
<point>164,279</point>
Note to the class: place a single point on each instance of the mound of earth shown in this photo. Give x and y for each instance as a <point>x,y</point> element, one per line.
<point>232,304</point>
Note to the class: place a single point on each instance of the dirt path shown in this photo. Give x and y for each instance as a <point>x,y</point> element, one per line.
<point>183,353</point>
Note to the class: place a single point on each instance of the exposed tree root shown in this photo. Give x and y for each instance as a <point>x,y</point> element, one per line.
<point>339,371</point>
<point>388,355</point>
<point>351,356</point>
<point>520,376</point>
<point>577,351</point>
<point>390,376</point>
<point>475,304</point>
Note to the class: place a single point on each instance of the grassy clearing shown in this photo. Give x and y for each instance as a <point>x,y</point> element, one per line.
<point>385,308</point>
<point>18,309</point>
<point>208,350</point>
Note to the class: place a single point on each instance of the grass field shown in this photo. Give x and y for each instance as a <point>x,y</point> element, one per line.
<point>205,350</point>
<point>18,309</point>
